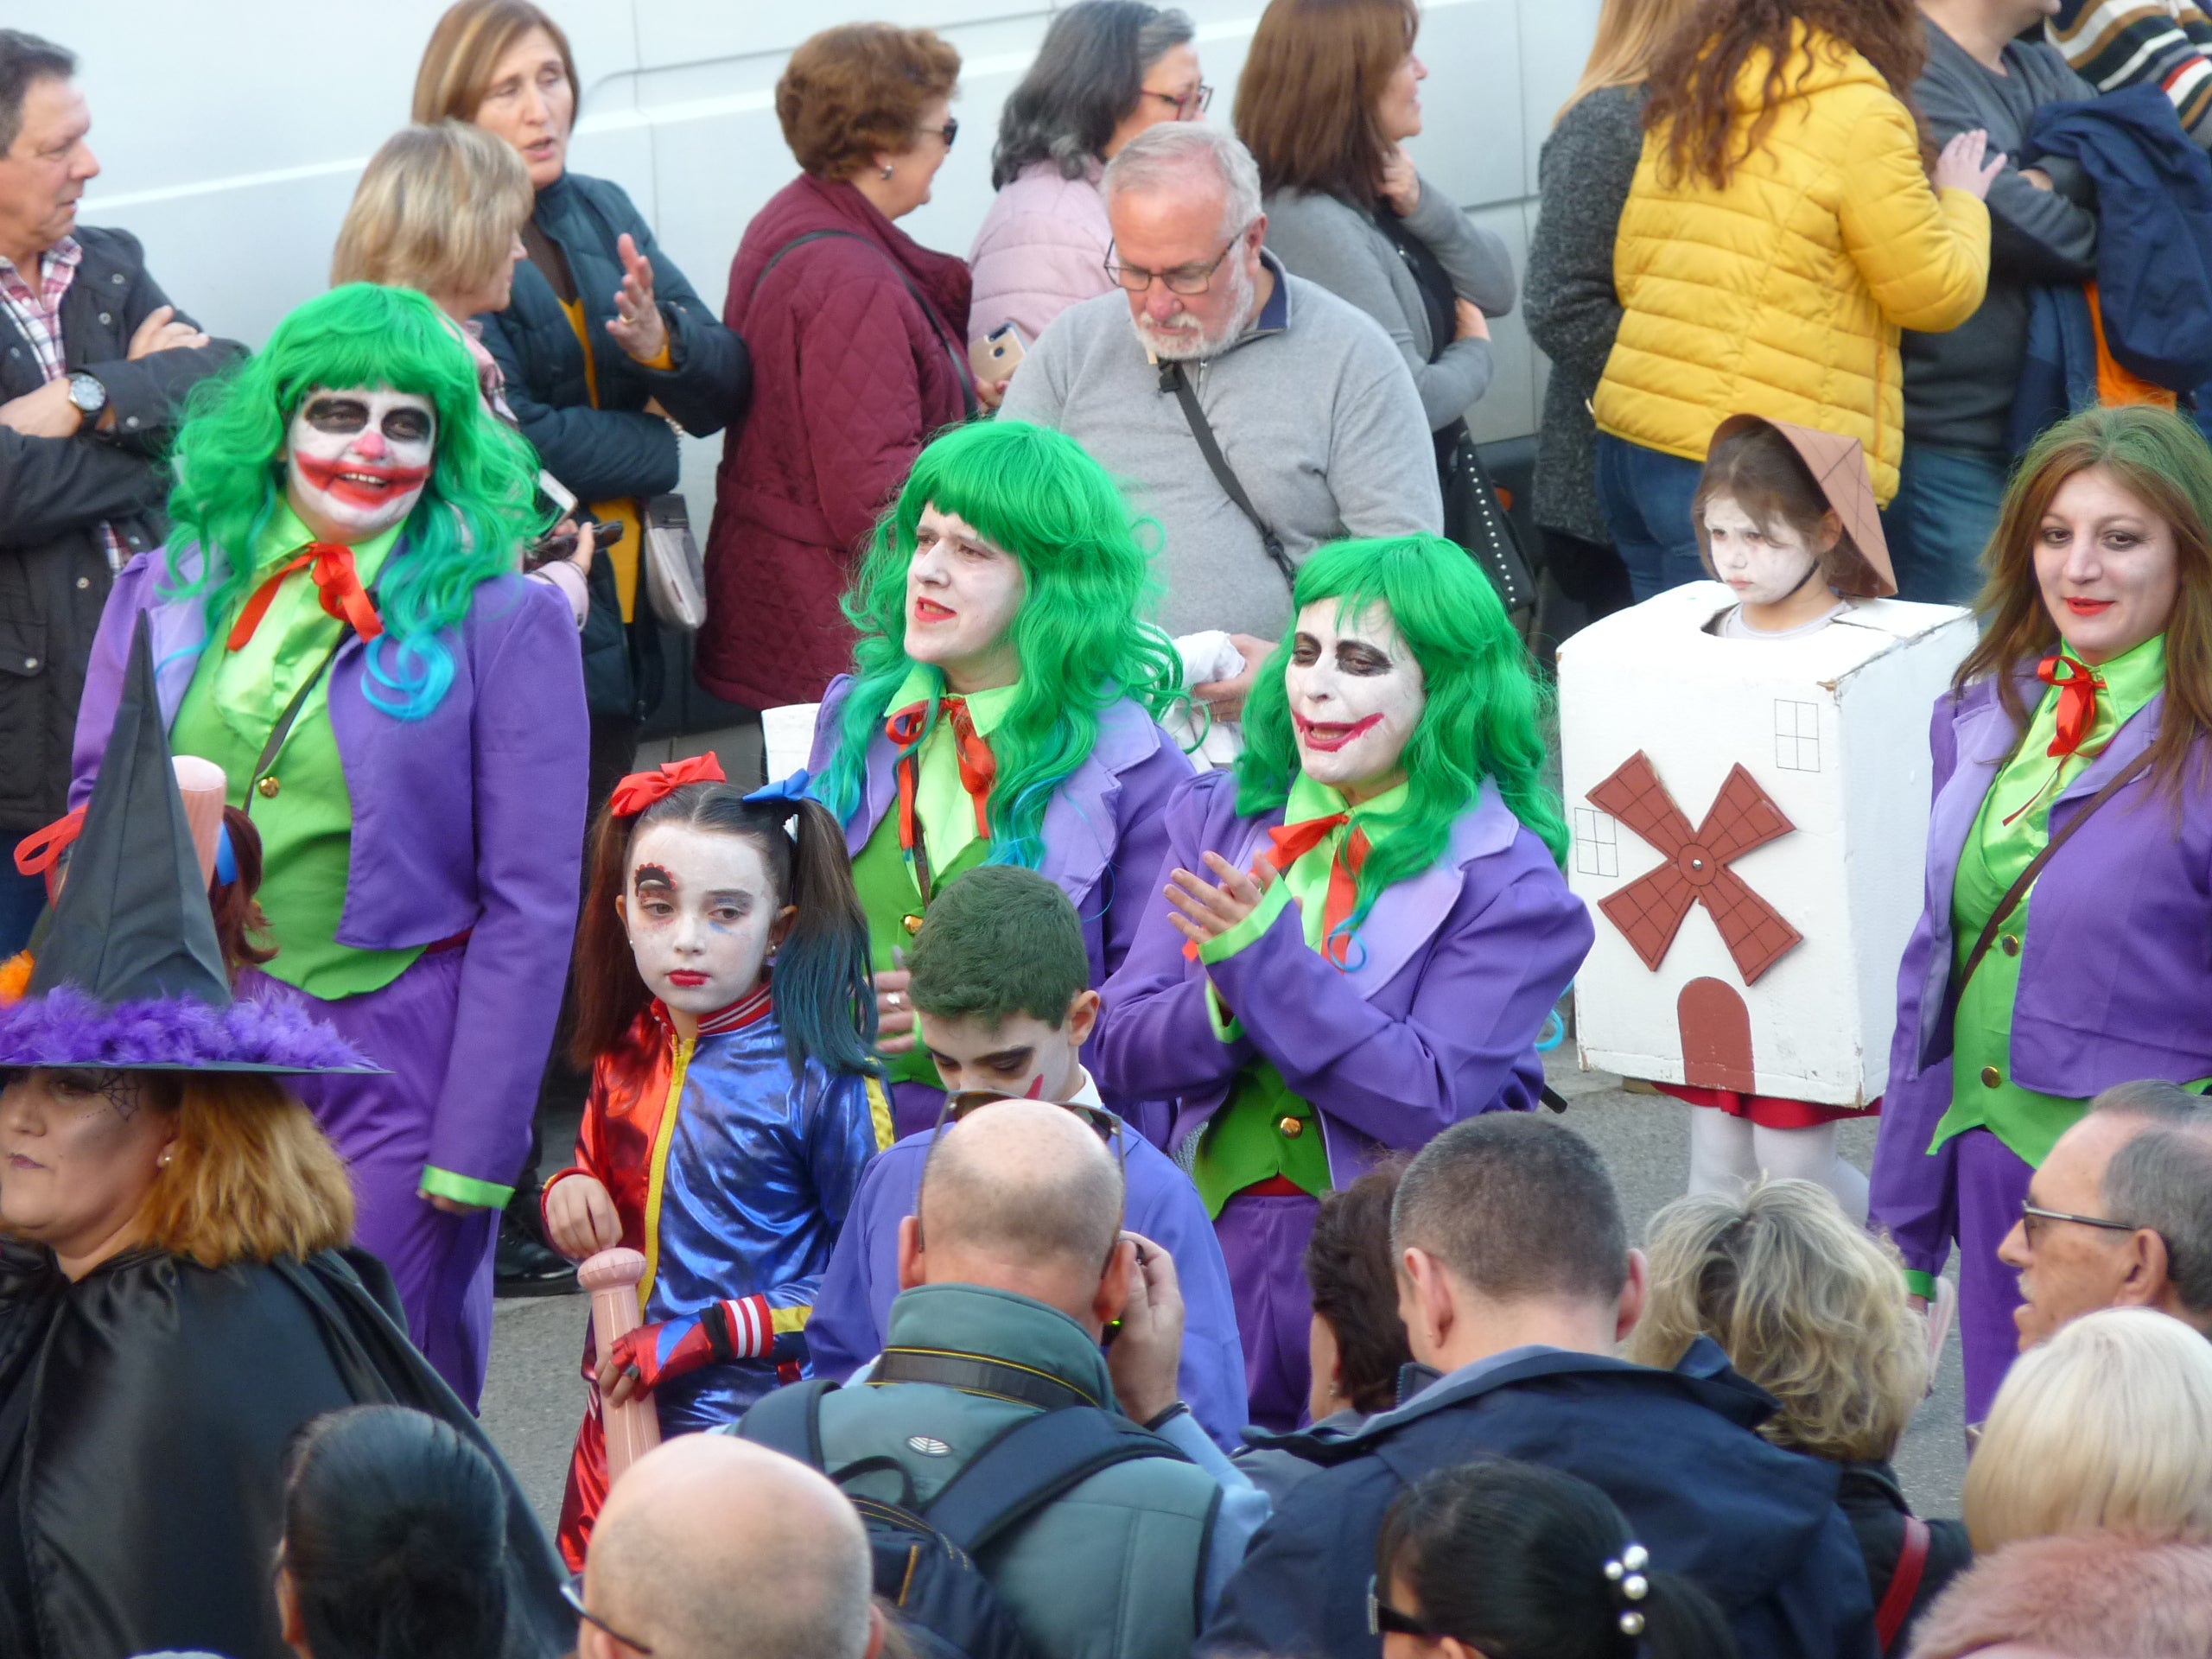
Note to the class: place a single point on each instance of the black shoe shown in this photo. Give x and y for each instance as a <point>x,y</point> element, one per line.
<point>523,1267</point>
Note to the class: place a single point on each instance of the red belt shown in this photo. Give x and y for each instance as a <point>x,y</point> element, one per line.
<point>452,942</point>
<point>1276,1186</point>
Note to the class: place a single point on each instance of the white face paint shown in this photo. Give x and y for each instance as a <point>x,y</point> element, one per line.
<point>1356,695</point>
<point>358,458</point>
<point>1764,566</point>
<point>963,595</point>
<point>701,915</point>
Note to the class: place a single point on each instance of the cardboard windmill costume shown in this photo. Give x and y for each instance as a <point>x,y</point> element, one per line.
<point>1748,819</point>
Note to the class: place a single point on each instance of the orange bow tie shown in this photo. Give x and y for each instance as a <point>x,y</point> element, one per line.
<point>339,588</point>
<point>1289,843</point>
<point>978,766</point>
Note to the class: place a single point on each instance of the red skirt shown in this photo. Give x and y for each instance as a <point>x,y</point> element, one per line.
<point>1767,1111</point>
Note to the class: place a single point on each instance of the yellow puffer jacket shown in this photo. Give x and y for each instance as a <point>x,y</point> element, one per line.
<point>1782,295</point>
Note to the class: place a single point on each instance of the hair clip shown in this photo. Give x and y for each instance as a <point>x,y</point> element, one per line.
<point>790,794</point>
<point>641,789</point>
<point>1626,1577</point>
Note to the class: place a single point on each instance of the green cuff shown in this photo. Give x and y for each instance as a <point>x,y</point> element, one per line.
<point>1918,1283</point>
<point>1228,1030</point>
<point>1223,946</point>
<point>462,1189</point>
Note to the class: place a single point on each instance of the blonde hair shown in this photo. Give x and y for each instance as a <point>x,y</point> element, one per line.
<point>2105,1426</point>
<point>438,210</point>
<point>250,1178</point>
<point>466,46</point>
<point>1806,1305</point>
<point>1629,33</point>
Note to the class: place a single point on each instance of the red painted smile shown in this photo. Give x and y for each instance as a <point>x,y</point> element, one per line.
<point>2090,607</point>
<point>928,610</point>
<point>686,978</point>
<point>360,483</point>
<point>1328,738</point>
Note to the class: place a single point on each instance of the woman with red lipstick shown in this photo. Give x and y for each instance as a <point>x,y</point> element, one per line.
<point>1364,926</point>
<point>1002,709</point>
<point>2066,941</point>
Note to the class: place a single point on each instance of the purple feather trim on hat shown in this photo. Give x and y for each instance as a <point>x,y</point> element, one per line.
<point>67,1027</point>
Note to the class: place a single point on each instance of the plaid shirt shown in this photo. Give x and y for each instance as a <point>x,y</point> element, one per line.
<point>37,312</point>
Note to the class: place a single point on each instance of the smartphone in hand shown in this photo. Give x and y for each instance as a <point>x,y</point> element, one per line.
<point>997,354</point>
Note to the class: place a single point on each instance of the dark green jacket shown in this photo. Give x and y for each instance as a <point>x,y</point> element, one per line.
<point>1112,1570</point>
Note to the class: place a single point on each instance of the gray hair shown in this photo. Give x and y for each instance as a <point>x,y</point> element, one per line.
<point>2156,1099</point>
<point>2162,1179</point>
<point>1161,157</point>
<point>25,60</point>
<point>1087,74</point>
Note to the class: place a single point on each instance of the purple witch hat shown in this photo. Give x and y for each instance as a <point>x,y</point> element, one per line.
<point>131,977</point>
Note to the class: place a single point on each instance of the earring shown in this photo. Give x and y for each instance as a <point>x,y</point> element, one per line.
<point>164,1160</point>
<point>887,170</point>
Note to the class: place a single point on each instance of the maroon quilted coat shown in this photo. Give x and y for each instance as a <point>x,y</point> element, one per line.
<point>849,382</point>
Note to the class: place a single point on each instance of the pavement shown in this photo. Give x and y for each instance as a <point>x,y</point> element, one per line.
<point>534,1394</point>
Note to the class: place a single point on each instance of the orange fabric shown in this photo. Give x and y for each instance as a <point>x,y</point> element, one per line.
<point>641,789</point>
<point>2077,700</point>
<point>342,595</point>
<point>979,767</point>
<point>2117,386</point>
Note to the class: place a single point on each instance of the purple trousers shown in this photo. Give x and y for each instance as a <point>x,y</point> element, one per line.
<point>1263,1240</point>
<point>1991,1182</point>
<point>441,1263</point>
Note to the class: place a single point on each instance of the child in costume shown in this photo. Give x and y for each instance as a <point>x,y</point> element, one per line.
<point>1002,708</point>
<point>1365,927</point>
<point>723,1006</point>
<point>1001,985</point>
<point>1785,516</point>
<point>2066,941</point>
<point>338,623</point>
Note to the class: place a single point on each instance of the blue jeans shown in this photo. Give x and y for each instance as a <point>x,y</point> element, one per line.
<point>1945,511</point>
<point>1646,495</point>
<point>22,899</point>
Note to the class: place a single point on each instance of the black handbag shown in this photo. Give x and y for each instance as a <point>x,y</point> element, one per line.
<point>1473,515</point>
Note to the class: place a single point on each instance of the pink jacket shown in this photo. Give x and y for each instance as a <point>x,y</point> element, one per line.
<point>1041,249</point>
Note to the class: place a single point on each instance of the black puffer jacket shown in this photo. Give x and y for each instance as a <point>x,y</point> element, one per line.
<point>616,449</point>
<point>55,494</point>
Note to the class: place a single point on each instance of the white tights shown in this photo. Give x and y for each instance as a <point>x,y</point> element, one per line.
<point>1727,1154</point>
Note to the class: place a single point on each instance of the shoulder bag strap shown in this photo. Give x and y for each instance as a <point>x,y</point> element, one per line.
<point>1174,378</point>
<point>1032,1462</point>
<point>2127,775</point>
<point>929,312</point>
<point>1904,1582</point>
<point>789,1421</point>
<point>282,729</point>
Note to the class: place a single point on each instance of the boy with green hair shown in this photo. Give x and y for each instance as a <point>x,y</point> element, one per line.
<point>1002,994</point>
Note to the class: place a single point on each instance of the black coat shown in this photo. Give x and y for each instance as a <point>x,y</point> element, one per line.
<point>616,449</point>
<point>1756,1527</point>
<point>1875,1503</point>
<point>55,492</point>
<point>144,1412</point>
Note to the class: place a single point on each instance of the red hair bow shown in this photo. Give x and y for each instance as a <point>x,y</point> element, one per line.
<point>641,789</point>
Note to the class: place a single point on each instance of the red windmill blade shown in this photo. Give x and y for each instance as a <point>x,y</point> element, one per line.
<point>1649,910</point>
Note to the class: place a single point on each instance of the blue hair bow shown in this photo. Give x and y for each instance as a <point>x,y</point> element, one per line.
<point>789,795</point>
<point>226,859</point>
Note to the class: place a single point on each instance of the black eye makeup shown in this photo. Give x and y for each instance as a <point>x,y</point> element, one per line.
<point>337,415</point>
<point>1365,660</point>
<point>406,425</point>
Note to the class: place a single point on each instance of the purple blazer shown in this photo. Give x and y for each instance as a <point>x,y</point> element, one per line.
<point>470,818</point>
<point>1105,836</point>
<point>2115,966</point>
<point>1456,970</point>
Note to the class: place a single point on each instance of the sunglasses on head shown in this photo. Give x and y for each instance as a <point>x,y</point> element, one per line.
<point>1384,1619</point>
<point>1103,1123</point>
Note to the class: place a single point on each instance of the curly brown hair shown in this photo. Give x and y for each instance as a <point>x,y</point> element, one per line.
<point>1349,1268</point>
<point>1691,88</point>
<point>860,89</point>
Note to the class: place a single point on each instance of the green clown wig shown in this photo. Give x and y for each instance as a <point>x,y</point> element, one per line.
<point>1086,580</point>
<point>474,515</point>
<point>1484,711</point>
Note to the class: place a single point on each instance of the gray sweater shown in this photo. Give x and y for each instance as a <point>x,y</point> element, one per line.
<point>1959,386</point>
<point>1583,174</point>
<point>1313,408</point>
<point>1332,243</point>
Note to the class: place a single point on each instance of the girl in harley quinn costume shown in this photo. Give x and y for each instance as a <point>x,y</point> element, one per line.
<point>726,1015</point>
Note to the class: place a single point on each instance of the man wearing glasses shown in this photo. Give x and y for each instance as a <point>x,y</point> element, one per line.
<point>2120,1215</point>
<point>1241,381</point>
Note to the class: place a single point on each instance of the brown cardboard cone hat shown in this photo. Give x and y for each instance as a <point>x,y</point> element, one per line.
<point>1839,466</point>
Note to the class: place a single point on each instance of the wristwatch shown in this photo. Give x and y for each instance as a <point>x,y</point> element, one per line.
<point>87,393</point>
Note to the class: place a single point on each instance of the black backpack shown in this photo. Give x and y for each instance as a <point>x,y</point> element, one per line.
<point>924,1554</point>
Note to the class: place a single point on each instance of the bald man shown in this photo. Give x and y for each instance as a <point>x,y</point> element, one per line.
<point>713,1548</point>
<point>1010,1271</point>
<point>2120,1215</point>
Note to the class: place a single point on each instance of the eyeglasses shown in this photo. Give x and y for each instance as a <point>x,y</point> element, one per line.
<point>1186,106</point>
<point>948,131</point>
<point>575,1596</point>
<point>1184,279</point>
<point>2032,1213</point>
<point>1384,1619</point>
<point>1102,1123</point>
